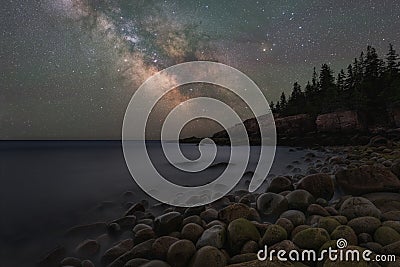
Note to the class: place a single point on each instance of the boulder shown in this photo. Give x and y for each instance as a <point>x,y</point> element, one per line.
<point>367,179</point>
<point>385,202</point>
<point>161,246</point>
<point>239,232</point>
<point>320,185</point>
<point>142,250</point>
<point>155,263</point>
<point>280,184</point>
<point>346,232</point>
<point>214,236</point>
<point>340,121</point>
<point>233,212</point>
<point>364,224</point>
<point>168,223</point>
<point>274,234</point>
<point>271,204</point>
<point>295,216</point>
<point>328,223</point>
<point>294,125</point>
<point>192,232</point>
<point>354,207</point>
<point>385,235</point>
<point>208,257</point>
<point>88,248</point>
<point>299,199</point>
<point>119,249</point>
<point>180,253</point>
<point>311,238</point>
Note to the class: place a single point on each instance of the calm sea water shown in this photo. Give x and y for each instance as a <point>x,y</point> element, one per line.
<point>47,186</point>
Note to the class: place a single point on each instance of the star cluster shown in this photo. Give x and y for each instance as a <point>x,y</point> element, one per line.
<point>69,67</point>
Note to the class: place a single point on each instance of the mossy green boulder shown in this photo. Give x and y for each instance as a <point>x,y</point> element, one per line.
<point>239,232</point>
<point>274,234</point>
<point>312,238</point>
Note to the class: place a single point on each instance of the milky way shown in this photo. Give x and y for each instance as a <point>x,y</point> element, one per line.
<point>69,67</point>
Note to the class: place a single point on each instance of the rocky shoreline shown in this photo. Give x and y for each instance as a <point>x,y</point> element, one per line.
<point>354,193</point>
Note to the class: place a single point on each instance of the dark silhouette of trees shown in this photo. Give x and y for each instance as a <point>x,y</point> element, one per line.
<point>370,85</point>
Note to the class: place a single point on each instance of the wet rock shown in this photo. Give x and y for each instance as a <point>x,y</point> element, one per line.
<point>192,232</point>
<point>233,212</point>
<point>142,250</point>
<point>116,251</point>
<point>274,234</point>
<point>364,238</point>
<point>87,248</point>
<point>396,168</point>
<point>87,263</point>
<point>272,204</point>
<point>180,253</point>
<point>364,224</point>
<point>71,261</point>
<point>393,224</point>
<point>315,209</point>
<point>392,249</point>
<point>367,179</point>
<point>193,219</point>
<point>312,238</point>
<point>216,222</point>
<point>346,232</point>
<point>239,232</point>
<point>385,201</point>
<point>209,215</point>
<point>327,223</point>
<point>285,245</point>
<point>280,184</point>
<point>136,262</point>
<point>113,229</point>
<point>243,258</point>
<point>140,227</point>
<point>299,199</point>
<point>358,207</point>
<point>208,256</point>
<point>134,208</point>
<point>52,258</point>
<point>385,235</point>
<point>155,263</point>
<point>319,185</point>
<point>391,215</point>
<point>298,229</point>
<point>168,223</point>
<point>286,224</point>
<point>126,222</point>
<point>249,247</point>
<point>214,236</point>
<point>161,246</point>
<point>373,246</point>
<point>295,216</point>
<point>143,235</point>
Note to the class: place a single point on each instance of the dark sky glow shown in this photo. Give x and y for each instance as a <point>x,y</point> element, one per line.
<point>69,67</point>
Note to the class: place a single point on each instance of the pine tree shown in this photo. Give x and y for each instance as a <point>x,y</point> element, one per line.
<point>349,80</point>
<point>315,82</point>
<point>341,81</point>
<point>283,102</point>
<point>392,59</point>
<point>272,106</point>
<point>326,79</point>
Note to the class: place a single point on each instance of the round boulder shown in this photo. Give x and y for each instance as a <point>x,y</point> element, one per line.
<point>320,185</point>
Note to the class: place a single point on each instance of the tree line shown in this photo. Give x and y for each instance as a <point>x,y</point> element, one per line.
<point>370,85</point>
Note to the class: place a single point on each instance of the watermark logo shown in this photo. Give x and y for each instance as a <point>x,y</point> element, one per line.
<point>147,96</point>
<point>342,253</point>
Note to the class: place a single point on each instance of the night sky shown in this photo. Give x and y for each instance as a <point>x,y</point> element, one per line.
<point>70,67</point>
